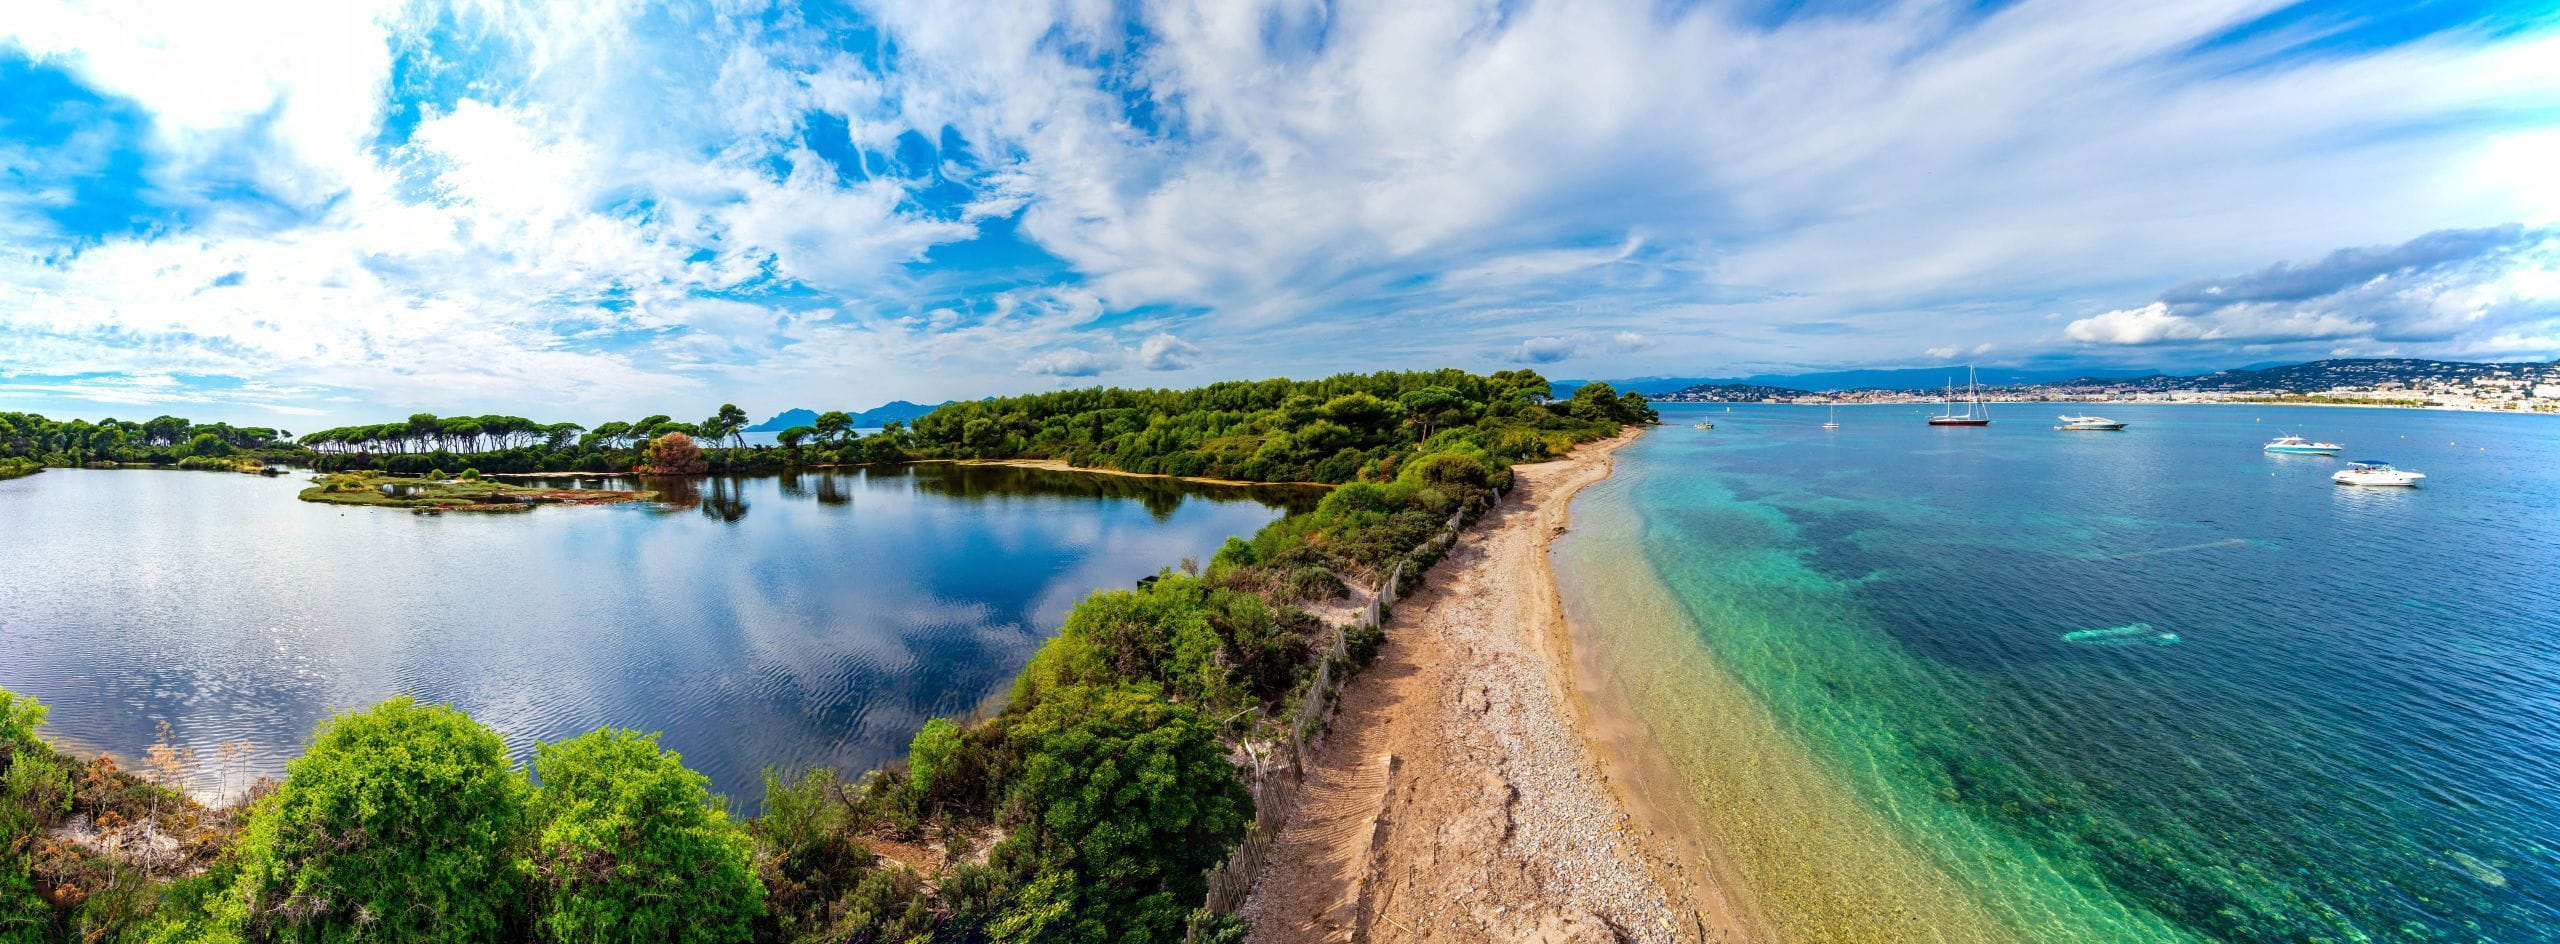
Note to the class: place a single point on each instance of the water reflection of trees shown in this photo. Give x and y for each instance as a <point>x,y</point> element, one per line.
<point>719,497</point>
<point>723,497</point>
<point>1159,496</point>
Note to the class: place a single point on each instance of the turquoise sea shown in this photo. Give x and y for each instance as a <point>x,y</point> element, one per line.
<point>2014,683</point>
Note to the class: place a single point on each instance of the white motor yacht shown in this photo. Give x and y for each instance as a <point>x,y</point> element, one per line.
<point>2296,445</point>
<point>2088,422</point>
<point>2374,472</point>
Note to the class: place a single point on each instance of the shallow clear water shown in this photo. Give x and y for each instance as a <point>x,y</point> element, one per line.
<point>802,620</point>
<point>2136,686</point>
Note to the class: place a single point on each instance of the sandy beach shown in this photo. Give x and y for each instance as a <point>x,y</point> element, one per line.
<point>1456,797</point>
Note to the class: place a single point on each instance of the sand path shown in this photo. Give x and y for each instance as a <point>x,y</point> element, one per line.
<point>1455,798</point>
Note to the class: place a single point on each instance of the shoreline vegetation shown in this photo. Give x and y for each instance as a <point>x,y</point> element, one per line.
<point>1458,796</point>
<point>466,493</point>
<point>1089,808</point>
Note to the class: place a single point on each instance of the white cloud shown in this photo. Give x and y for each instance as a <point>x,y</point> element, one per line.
<point>2456,292</point>
<point>1070,362</point>
<point>1544,350</point>
<point>1162,351</point>
<point>613,213</point>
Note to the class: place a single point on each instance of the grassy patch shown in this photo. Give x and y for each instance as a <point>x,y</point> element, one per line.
<point>385,491</point>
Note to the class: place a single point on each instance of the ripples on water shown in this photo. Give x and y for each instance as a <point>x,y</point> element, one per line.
<point>2354,737</point>
<point>798,620</point>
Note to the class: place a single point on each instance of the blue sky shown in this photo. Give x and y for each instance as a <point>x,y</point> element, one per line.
<point>338,211</point>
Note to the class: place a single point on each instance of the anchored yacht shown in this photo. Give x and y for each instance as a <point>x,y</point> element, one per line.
<point>2374,472</point>
<point>2087,422</point>
<point>2298,446</point>
<point>1975,414</point>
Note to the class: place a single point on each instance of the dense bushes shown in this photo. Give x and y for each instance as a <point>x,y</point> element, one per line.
<point>628,847</point>
<point>35,788</point>
<point>1126,799</point>
<point>1207,645</point>
<point>399,824</point>
<point>1340,429</point>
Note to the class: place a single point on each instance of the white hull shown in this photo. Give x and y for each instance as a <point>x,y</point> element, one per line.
<point>2089,423</point>
<point>2390,478</point>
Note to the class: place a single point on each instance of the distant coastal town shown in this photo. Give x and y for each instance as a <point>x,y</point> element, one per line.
<point>2371,382</point>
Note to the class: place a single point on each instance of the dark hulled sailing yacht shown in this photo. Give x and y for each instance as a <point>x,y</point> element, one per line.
<point>1975,414</point>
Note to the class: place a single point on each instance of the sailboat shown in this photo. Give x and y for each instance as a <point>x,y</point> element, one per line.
<point>1834,421</point>
<point>1975,414</point>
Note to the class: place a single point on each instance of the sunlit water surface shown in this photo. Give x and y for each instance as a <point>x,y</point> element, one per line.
<point>787,621</point>
<point>2016,683</point>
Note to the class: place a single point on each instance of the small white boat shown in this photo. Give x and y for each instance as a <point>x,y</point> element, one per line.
<point>2298,446</point>
<point>2374,472</point>
<point>2087,422</point>
<point>1706,426</point>
<point>1834,421</point>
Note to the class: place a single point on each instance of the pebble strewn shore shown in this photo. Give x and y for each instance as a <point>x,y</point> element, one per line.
<point>1455,798</point>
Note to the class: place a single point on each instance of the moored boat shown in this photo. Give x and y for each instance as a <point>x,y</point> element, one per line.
<point>2298,446</point>
<point>2088,422</point>
<point>2374,472</point>
<point>1975,414</point>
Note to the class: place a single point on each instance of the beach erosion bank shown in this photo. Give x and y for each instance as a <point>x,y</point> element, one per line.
<point>1455,797</point>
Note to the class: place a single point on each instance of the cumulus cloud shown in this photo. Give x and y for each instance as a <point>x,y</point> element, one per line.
<point>584,205</point>
<point>1162,351</point>
<point>1544,350</point>
<point>1070,362</point>
<point>2450,292</point>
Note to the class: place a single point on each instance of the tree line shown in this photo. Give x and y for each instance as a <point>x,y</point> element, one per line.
<point>1344,428</point>
<point>161,440</point>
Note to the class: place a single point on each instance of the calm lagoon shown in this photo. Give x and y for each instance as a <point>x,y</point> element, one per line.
<point>797,620</point>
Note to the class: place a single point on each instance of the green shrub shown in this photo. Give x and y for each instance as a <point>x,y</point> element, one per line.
<point>1130,795</point>
<point>470,475</point>
<point>807,857</point>
<point>1203,643</point>
<point>930,756</point>
<point>35,790</point>
<point>401,823</point>
<point>631,846</point>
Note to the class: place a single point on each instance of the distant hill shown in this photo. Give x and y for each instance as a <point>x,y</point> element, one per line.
<point>1729,393</point>
<point>2318,375</point>
<point>785,420</point>
<point>894,410</point>
<point>1898,378</point>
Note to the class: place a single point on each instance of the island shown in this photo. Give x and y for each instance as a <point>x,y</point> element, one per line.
<point>468,493</point>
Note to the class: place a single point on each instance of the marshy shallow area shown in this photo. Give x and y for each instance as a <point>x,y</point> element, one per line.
<point>436,493</point>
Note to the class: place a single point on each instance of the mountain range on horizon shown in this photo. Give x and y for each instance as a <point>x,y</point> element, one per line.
<point>893,411</point>
<point>2275,373</point>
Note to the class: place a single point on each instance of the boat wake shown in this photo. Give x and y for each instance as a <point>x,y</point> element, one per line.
<point>2205,546</point>
<point>2133,634</point>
